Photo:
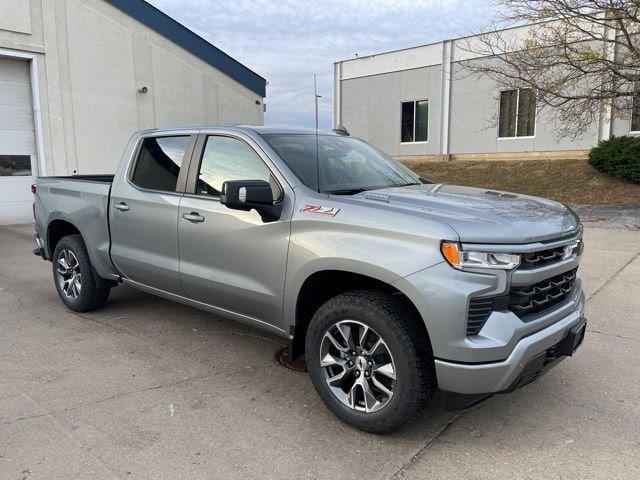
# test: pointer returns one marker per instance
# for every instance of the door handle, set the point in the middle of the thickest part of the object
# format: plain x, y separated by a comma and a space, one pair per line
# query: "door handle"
123, 207
193, 217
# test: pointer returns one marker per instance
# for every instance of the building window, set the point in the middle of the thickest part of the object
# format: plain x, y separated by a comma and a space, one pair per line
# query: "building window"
159, 163
15, 165
415, 121
635, 110
517, 113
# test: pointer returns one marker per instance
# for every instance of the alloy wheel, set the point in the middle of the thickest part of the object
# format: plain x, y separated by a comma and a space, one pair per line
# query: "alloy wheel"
69, 276
358, 366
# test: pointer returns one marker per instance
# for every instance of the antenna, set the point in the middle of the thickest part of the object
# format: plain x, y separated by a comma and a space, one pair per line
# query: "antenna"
316, 97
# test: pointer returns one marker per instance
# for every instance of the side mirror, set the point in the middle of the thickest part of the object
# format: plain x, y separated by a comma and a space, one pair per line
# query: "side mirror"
248, 195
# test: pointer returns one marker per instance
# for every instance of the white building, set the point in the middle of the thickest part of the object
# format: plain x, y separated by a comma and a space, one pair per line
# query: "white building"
77, 77
422, 102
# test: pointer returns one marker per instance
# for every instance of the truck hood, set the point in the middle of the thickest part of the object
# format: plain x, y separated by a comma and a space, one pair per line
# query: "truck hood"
480, 215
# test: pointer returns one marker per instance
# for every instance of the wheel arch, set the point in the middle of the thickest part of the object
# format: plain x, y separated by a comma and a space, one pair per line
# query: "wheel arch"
59, 228
321, 285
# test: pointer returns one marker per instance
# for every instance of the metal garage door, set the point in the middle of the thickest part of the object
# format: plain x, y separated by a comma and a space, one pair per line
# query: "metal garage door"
17, 142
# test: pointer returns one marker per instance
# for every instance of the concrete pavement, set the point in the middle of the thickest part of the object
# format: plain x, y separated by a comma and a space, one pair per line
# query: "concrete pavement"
145, 388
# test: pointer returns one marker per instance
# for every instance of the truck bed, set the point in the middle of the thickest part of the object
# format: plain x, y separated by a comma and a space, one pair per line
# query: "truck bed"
82, 201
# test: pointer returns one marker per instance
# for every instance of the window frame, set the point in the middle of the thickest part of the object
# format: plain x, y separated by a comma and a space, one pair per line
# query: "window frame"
184, 167
535, 116
198, 155
415, 101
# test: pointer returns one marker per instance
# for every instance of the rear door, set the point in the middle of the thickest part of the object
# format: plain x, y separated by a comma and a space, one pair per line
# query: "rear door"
232, 259
143, 212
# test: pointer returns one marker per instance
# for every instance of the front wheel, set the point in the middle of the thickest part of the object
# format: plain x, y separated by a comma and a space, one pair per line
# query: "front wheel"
369, 361
74, 278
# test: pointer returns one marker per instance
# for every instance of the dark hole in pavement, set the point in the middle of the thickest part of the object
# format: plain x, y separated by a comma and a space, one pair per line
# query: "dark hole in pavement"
282, 357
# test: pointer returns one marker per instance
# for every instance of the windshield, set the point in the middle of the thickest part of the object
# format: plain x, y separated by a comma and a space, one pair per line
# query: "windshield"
345, 165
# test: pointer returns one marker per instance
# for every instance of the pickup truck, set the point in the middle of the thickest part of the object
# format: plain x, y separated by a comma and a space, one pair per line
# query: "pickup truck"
389, 285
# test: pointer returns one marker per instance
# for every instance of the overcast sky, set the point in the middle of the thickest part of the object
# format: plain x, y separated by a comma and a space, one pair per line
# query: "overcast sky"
288, 41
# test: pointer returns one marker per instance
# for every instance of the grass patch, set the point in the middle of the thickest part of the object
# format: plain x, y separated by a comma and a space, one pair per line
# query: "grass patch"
572, 181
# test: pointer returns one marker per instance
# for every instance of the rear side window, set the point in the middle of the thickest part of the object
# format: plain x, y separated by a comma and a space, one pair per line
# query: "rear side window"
159, 163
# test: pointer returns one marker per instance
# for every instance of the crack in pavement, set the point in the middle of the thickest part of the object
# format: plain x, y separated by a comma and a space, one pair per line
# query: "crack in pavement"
599, 332
414, 458
105, 399
612, 277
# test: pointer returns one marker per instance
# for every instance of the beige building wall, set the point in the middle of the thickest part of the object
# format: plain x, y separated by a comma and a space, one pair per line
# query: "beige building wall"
90, 62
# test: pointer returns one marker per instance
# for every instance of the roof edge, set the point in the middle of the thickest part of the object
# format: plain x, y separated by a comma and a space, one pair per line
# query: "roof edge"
163, 24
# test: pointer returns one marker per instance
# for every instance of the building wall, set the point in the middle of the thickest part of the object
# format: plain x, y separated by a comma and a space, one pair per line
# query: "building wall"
463, 107
473, 126
91, 61
371, 108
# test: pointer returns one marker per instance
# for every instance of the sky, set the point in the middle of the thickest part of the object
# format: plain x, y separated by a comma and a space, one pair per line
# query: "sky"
288, 41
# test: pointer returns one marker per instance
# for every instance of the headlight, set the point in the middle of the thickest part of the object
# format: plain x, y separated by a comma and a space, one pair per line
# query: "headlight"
463, 259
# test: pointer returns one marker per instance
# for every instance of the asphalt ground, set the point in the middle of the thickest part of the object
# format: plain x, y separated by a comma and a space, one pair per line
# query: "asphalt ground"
145, 388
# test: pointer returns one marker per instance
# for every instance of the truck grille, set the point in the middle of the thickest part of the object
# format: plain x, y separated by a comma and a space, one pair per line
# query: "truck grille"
524, 301
541, 258
541, 296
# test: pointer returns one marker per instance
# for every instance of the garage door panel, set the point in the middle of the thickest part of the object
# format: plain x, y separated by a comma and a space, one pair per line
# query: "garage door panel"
15, 70
16, 118
17, 143
14, 93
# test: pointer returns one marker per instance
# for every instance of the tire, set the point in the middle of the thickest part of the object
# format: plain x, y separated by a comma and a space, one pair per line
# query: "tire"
404, 343
71, 261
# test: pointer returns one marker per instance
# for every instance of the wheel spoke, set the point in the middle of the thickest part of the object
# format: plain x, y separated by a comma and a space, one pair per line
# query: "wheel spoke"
331, 381
335, 342
330, 360
380, 386
370, 400
375, 347
387, 370
363, 336
346, 335
62, 264
352, 395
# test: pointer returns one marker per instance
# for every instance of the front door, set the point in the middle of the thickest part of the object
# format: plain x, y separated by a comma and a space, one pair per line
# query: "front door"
143, 214
232, 259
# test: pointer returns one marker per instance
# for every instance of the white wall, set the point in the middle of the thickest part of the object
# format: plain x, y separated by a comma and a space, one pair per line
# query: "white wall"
92, 59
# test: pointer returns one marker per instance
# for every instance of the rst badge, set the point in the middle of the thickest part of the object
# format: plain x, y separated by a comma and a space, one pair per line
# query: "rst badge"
319, 209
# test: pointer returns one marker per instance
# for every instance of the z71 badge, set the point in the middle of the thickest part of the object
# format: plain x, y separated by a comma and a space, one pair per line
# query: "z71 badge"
319, 209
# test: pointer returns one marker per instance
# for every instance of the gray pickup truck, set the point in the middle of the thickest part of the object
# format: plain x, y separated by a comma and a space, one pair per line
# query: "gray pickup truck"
390, 285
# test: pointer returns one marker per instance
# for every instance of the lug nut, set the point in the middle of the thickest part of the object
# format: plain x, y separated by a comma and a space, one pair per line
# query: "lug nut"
350, 363
354, 353
357, 373
366, 373
370, 363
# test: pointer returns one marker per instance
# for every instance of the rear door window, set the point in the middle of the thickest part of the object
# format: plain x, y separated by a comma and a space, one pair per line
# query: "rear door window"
159, 162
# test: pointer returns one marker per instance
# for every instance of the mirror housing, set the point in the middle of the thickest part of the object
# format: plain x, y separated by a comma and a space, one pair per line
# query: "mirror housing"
249, 195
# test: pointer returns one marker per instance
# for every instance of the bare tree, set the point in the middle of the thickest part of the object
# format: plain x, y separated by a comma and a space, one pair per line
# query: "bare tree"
581, 57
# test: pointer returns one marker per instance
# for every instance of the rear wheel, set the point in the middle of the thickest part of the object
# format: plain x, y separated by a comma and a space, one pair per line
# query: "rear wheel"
369, 361
74, 277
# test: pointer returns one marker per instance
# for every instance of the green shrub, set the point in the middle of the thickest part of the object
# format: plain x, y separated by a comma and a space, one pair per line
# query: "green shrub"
619, 156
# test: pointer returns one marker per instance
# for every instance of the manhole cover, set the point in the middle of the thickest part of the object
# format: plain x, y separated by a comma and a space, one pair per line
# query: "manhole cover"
282, 357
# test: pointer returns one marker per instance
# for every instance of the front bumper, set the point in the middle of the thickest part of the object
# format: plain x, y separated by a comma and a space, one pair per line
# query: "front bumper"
466, 385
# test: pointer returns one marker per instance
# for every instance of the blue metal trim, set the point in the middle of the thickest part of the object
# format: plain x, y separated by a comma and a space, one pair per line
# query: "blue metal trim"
166, 26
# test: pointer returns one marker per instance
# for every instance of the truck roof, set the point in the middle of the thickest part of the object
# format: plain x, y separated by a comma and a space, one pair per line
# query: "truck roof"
259, 129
